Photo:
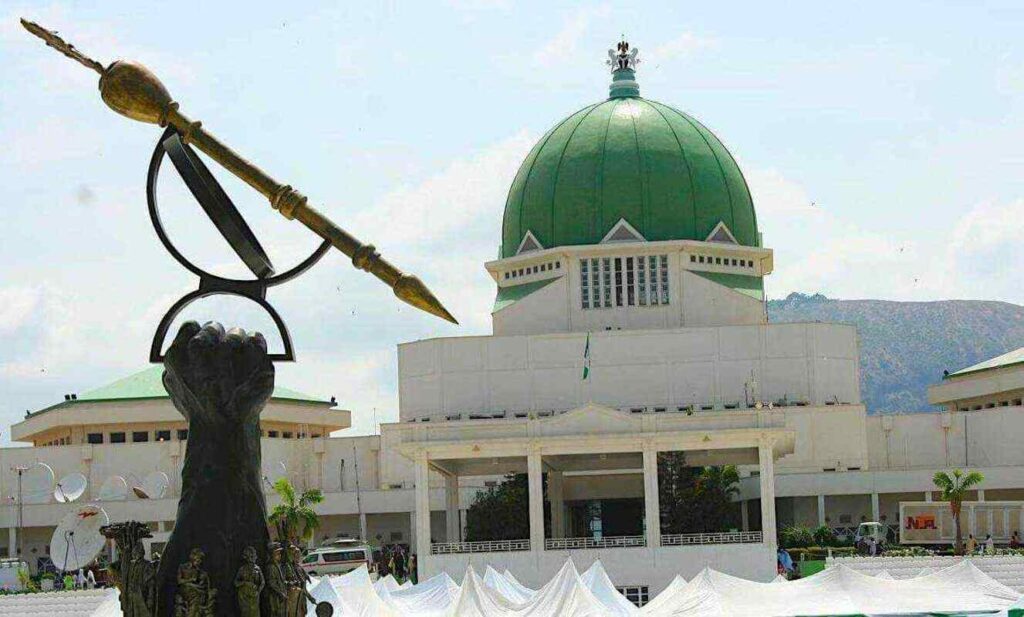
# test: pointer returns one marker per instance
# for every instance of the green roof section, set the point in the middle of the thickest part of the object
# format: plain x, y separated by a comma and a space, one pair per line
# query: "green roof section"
148, 384
752, 286
1009, 358
627, 158
508, 296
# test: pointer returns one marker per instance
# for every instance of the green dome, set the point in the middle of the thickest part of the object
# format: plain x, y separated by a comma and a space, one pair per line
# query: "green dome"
627, 158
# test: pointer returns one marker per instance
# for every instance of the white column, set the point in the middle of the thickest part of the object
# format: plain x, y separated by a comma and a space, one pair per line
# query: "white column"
422, 510
821, 510
981, 494
766, 459
928, 496
364, 534
451, 507
876, 509
536, 484
652, 508
557, 499
745, 515
412, 529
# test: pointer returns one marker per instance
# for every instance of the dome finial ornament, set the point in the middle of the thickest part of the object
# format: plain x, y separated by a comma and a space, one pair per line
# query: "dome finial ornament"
621, 58
623, 61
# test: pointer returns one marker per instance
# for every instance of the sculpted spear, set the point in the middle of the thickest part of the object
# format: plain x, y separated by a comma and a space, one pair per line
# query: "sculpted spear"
132, 90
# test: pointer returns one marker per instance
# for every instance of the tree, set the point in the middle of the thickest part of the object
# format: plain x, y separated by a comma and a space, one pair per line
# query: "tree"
696, 499
954, 489
294, 518
501, 512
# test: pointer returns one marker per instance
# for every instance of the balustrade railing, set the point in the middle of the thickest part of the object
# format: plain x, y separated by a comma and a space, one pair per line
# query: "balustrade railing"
495, 546
565, 544
724, 537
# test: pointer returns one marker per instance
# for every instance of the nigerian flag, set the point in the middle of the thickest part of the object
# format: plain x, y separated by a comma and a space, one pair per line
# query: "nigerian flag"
586, 358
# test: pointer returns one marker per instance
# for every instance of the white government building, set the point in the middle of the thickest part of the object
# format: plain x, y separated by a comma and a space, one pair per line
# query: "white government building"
629, 227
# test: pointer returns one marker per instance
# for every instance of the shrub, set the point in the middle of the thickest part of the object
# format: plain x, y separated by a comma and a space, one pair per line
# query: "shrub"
824, 536
795, 536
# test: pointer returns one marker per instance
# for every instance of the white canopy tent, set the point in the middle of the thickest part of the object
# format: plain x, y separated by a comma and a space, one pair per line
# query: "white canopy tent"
836, 591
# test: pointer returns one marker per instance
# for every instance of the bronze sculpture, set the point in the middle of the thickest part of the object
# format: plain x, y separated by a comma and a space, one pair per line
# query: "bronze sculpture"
297, 579
134, 576
249, 584
196, 597
277, 585
132, 90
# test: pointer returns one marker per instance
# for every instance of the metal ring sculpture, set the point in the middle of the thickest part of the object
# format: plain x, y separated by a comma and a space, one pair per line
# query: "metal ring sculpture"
229, 222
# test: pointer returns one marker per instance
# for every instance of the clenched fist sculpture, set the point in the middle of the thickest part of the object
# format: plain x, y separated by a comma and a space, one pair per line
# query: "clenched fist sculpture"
220, 381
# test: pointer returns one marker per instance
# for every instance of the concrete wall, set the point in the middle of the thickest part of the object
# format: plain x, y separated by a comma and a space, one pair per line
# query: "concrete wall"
716, 366
655, 567
985, 438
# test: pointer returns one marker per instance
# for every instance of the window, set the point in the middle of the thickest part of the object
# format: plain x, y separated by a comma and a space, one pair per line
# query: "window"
718, 261
94, 438
117, 438
286, 435
618, 281
558, 265
641, 274
340, 556
663, 274
734, 262
606, 281
271, 433
630, 292
585, 283
163, 435
693, 258
506, 276
140, 436
624, 281
637, 594
311, 558
182, 434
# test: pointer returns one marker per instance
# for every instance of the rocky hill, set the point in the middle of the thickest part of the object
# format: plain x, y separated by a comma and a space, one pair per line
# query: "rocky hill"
905, 346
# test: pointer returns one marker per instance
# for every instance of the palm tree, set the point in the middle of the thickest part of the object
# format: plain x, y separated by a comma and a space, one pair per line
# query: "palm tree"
954, 489
294, 518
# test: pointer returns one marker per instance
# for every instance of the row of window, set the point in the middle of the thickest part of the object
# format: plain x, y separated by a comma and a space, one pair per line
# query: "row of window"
624, 281
137, 436
1015, 402
165, 435
721, 261
528, 270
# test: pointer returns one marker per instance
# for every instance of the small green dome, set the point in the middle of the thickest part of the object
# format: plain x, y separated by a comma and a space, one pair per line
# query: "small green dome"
627, 158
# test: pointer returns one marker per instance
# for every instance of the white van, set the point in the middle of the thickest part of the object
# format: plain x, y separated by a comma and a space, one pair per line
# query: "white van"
339, 557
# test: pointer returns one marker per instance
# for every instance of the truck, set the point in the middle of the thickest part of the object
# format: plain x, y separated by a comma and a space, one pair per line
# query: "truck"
931, 522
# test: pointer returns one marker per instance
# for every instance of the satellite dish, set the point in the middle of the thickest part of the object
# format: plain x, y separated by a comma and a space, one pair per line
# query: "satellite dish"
37, 484
114, 489
70, 487
154, 486
276, 471
77, 540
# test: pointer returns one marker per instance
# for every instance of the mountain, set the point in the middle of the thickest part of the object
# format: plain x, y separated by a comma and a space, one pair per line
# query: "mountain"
905, 346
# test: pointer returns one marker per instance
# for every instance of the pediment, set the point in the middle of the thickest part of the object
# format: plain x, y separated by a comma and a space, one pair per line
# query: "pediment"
721, 234
590, 419
623, 232
529, 243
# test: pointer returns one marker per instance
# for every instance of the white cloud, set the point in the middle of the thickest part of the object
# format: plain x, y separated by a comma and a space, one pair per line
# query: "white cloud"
16, 305
564, 45
684, 45
818, 250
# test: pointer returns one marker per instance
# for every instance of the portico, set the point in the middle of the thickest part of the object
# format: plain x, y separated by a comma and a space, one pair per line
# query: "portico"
593, 444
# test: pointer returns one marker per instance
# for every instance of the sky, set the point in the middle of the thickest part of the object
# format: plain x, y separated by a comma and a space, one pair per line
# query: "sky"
883, 143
